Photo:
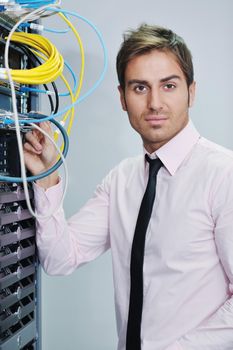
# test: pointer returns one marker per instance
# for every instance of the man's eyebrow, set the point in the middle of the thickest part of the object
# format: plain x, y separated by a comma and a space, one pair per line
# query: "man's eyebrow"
145, 82
170, 77
137, 81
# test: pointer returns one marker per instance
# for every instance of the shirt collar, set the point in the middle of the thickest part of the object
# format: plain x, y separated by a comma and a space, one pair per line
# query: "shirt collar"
175, 150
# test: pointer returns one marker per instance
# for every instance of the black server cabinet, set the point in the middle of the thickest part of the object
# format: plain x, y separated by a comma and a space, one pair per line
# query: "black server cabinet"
19, 268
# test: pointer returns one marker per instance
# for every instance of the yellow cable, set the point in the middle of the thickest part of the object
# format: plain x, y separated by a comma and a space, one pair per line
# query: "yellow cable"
52, 67
81, 53
45, 73
70, 110
81, 75
71, 95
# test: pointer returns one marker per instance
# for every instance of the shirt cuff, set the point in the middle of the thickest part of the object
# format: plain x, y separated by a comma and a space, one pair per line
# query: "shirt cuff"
49, 199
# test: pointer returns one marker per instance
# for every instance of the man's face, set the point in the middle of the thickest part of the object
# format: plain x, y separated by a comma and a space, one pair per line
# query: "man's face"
156, 97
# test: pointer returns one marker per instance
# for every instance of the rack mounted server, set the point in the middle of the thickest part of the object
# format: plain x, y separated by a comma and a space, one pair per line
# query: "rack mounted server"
19, 269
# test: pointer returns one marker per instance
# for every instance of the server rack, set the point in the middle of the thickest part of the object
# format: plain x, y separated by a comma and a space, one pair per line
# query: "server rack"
19, 267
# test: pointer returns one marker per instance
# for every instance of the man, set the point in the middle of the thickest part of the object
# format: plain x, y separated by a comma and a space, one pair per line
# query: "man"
187, 258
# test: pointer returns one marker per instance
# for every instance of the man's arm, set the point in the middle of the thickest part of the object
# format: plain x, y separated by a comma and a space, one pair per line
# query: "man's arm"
216, 333
64, 245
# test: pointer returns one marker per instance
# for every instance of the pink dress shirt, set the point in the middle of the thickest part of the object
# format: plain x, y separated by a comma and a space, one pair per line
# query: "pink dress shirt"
188, 264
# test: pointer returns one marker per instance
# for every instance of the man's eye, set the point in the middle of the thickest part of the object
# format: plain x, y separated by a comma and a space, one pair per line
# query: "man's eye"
169, 86
140, 88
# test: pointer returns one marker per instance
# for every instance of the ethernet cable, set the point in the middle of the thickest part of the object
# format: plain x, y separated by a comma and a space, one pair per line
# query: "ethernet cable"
81, 75
71, 110
57, 31
97, 83
81, 52
38, 91
68, 66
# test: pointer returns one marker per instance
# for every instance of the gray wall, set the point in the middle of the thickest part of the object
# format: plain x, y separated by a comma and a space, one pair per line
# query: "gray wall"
78, 310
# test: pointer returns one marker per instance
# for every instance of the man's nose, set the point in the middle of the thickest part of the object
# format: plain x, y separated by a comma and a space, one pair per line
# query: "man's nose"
154, 101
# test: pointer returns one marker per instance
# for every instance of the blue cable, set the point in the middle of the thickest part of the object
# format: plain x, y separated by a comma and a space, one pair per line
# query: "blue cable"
57, 31
99, 81
53, 168
50, 30
39, 91
38, 3
74, 78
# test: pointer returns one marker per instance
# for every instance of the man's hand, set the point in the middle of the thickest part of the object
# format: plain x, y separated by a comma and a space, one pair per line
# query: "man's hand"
40, 154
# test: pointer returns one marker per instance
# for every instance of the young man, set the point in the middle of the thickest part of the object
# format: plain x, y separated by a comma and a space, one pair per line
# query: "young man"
185, 290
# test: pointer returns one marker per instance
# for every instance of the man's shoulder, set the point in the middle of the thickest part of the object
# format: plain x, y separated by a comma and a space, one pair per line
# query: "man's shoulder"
215, 149
215, 156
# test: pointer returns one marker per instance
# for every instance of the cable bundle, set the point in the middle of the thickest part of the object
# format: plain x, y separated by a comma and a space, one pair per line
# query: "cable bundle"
50, 67
46, 72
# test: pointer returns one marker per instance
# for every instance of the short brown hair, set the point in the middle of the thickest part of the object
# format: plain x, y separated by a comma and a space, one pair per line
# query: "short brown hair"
147, 38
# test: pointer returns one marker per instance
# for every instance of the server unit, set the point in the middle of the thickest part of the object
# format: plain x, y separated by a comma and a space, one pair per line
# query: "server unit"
19, 268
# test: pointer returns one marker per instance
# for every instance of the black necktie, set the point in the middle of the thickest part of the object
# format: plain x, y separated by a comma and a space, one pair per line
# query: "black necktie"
133, 337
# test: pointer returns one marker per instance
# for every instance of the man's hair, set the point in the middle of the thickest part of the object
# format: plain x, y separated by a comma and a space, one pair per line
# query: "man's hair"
147, 38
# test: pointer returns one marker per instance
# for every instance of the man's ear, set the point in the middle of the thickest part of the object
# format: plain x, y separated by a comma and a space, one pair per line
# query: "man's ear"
122, 98
192, 90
